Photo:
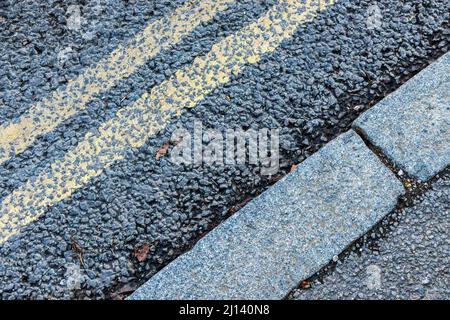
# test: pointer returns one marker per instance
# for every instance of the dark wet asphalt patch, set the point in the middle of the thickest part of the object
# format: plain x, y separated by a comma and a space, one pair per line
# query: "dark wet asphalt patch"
311, 88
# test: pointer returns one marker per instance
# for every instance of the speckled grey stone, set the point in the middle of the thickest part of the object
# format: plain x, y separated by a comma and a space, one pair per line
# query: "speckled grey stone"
409, 260
412, 125
288, 232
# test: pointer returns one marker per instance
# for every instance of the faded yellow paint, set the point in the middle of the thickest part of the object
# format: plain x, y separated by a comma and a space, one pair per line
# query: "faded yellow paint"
46, 115
133, 125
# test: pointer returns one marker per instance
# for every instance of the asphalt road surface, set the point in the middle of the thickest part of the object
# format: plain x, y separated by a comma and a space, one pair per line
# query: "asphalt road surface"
90, 203
410, 261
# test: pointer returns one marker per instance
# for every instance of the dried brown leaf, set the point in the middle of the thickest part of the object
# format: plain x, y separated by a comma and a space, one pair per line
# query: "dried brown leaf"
78, 250
162, 151
141, 252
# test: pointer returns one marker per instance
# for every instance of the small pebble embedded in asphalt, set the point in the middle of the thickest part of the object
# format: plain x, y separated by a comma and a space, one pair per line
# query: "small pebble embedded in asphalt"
141, 213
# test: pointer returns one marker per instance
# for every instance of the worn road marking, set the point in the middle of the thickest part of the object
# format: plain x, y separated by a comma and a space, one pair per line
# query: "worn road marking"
134, 124
46, 115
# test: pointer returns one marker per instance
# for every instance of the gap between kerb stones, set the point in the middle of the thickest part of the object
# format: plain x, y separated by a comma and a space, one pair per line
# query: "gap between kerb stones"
413, 187
405, 201
407, 180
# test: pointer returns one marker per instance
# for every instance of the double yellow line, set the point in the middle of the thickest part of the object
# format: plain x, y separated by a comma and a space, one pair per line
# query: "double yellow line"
133, 125
121, 63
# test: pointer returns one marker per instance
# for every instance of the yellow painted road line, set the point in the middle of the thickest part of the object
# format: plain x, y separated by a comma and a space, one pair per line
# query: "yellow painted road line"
323, 4
135, 124
46, 115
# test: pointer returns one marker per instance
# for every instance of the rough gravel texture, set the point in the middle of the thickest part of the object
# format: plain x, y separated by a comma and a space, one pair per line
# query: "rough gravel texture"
312, 87
411, 261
